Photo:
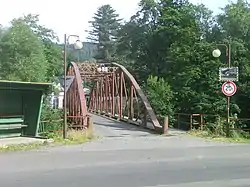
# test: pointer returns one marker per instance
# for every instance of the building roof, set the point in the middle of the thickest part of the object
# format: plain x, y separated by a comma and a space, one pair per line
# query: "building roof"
18, 85
69, 80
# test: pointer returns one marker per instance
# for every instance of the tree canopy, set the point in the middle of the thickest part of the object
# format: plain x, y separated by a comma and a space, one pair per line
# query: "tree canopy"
28, 51
22, 56
105, 26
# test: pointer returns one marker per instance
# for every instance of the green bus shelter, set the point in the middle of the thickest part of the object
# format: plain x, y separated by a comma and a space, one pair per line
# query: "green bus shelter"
20, 107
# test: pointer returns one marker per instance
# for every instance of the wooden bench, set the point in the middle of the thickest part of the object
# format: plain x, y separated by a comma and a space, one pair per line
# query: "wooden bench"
12, 123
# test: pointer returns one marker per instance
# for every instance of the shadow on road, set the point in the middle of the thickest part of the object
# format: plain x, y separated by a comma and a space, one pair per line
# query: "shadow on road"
112, 128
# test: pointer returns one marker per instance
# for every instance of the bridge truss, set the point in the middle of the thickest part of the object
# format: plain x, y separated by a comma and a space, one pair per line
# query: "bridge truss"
113, 92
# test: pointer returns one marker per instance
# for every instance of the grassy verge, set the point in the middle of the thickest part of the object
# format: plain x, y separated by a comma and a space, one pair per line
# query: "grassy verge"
20, 147
74, 137
208, 136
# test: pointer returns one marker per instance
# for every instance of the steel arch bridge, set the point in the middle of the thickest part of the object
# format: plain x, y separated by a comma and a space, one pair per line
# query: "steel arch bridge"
113, 92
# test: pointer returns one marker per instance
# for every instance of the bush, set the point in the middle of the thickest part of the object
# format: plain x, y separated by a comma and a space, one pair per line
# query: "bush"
160, 96
51, 121
218, 130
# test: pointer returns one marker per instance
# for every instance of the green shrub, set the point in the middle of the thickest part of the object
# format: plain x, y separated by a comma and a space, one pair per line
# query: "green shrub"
160, 96
51, 121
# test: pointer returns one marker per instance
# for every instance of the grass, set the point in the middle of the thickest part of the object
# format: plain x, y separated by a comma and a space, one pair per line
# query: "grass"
20, 147
74, 138
204, 134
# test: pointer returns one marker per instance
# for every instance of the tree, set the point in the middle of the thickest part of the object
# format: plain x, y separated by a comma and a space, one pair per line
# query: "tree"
105, 26
159, 88
169, 39
135, 38
1, 31
42, 32
52, 51
22, 54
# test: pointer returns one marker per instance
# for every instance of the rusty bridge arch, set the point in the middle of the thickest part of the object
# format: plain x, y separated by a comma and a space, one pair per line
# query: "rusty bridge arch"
77, 112
114, 93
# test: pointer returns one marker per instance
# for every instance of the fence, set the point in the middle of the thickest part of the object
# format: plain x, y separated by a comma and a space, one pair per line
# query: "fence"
239, 124
50, 126
185, 121
215, 123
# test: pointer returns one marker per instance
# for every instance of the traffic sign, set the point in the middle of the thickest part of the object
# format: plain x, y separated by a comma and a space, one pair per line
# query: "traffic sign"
229, 88
229, 74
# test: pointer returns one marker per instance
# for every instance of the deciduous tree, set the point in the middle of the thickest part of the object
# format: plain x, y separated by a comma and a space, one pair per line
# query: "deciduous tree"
22, 54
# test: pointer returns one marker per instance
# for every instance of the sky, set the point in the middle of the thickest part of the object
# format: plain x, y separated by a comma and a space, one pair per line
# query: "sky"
72, 16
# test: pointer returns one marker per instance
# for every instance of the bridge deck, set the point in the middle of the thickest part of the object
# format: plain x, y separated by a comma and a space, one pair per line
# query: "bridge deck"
111, 128
105, 127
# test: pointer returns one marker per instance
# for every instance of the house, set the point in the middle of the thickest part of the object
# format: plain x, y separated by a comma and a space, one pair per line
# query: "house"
56, 97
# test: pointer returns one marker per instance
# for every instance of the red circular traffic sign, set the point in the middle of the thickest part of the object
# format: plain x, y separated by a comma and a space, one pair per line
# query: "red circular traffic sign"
229, 88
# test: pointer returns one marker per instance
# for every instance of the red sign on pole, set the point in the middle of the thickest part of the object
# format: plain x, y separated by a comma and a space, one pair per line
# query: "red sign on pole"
229, 88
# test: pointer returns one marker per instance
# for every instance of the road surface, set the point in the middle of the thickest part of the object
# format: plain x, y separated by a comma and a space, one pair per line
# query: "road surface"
123, 158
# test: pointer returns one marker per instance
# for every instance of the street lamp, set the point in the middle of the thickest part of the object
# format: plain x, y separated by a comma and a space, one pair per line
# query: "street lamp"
217, 53
77, 45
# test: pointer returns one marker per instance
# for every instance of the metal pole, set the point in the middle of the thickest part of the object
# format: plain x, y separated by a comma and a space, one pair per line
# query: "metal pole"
229, 55
228, 98
228, 115
78, 56
65, 99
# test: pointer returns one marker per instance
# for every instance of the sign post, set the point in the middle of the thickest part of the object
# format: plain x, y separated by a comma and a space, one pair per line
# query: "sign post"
228, 88
227, 75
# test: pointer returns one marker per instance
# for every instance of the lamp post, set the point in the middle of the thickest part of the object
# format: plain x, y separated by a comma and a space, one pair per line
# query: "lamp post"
217, 53
77, 45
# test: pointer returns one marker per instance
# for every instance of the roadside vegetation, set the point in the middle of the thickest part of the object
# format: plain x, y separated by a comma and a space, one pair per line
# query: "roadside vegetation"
218, 134
74, 138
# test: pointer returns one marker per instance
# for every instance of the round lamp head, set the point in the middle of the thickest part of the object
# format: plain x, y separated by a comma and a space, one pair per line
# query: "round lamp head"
216, 53
78, 45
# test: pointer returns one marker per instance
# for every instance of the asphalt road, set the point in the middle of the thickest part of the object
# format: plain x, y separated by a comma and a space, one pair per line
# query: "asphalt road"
139, 160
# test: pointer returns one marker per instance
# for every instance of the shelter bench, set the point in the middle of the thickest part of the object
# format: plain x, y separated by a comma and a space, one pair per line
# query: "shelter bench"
12, 123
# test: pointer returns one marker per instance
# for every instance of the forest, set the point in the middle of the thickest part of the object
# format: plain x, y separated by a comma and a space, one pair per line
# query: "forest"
167, 45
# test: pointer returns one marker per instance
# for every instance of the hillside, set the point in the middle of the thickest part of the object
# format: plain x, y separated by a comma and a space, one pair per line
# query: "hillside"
87, 52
